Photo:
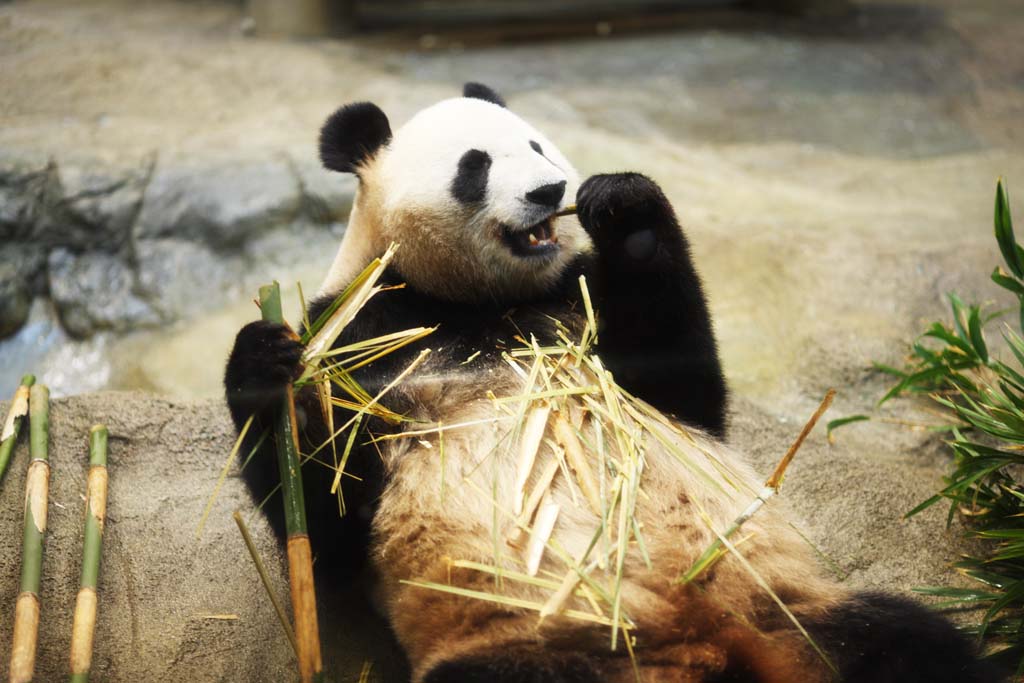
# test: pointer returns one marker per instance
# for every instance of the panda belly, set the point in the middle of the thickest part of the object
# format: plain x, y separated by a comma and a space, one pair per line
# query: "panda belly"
449, 504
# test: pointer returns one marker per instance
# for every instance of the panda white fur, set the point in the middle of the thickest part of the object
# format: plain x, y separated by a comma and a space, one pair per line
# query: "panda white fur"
469, 190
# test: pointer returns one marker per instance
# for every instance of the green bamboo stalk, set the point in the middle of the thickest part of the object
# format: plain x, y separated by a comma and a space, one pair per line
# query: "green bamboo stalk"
95, 513
37, 482
300, 556
12, 425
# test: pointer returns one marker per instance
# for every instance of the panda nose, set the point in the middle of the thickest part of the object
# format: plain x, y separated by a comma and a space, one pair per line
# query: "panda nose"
547, 195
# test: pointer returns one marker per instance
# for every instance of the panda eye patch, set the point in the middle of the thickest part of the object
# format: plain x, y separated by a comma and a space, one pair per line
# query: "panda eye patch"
536, 147
470, 183
474, 160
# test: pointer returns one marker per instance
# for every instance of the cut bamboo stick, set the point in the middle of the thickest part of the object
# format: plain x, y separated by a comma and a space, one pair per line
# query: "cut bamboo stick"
515, 534
95, 513
12, 425
26, 615
543, 527
529, 444
718, 548
566, 437
265, 579
300, 556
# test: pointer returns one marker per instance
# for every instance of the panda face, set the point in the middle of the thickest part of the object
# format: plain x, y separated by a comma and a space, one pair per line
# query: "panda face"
470, 190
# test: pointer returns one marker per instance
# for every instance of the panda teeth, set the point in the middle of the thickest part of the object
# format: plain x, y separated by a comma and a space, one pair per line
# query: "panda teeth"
533, 240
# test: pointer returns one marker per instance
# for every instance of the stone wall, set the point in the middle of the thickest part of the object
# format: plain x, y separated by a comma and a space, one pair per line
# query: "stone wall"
126, 246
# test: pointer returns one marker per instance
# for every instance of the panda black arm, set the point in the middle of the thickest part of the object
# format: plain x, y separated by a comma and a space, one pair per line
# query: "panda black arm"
655, 331
264, 360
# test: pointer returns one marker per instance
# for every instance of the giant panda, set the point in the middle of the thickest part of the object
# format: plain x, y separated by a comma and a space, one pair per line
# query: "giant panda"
471, 192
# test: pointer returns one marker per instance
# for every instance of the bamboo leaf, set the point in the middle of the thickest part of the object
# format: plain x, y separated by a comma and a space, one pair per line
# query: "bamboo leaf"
832, 425
1004, 232
1006, 281
977, 338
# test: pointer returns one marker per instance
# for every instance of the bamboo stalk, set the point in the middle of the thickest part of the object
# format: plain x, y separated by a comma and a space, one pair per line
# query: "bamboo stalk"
84, 626
567, 211
26, 615
265, 579
300, 555
12, 425
771, 487
566, 437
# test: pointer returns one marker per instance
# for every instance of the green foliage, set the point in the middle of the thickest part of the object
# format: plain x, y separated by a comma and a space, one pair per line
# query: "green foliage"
956, 367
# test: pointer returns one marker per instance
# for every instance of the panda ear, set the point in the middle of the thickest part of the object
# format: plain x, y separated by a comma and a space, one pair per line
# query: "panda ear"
352, 135
479, 91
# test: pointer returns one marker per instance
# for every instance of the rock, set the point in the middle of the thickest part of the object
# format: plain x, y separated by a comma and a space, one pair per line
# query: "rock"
21, 277
172, 607
22, 188
182, 277
96, 291
219, 205
326, 195
91, 207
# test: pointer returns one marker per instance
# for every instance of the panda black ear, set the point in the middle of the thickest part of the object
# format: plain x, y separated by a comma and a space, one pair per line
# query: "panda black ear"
352, 135
479, 91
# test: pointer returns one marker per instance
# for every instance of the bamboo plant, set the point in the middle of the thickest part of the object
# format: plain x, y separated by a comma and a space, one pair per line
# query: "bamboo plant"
975, 383
95, 513
26, 616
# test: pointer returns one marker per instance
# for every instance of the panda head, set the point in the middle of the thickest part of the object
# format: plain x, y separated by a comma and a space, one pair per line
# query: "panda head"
467, 188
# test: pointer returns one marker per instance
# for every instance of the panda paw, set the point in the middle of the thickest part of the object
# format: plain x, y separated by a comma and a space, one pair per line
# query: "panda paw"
265, 359
624, 213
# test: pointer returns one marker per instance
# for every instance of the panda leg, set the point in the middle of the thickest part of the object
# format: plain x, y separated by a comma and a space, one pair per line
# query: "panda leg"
514, 666
656, 334
879, 638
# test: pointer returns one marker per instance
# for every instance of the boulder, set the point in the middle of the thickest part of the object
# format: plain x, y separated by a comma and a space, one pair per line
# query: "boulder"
91, 206
96, 291
221, 205
22, 267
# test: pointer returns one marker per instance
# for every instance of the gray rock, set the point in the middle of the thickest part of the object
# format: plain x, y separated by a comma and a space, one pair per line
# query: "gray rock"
21, 270
96, 291
326, 195
221, 205
22, 189
182, 277
91, 207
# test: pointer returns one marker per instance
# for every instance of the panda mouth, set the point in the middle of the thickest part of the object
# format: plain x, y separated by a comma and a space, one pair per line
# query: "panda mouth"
537, 240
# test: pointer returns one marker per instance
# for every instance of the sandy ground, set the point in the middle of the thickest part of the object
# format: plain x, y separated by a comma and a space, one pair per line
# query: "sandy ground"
835, 183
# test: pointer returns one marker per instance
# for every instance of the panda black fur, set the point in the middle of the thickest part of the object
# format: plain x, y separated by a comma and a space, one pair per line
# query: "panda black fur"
461, 186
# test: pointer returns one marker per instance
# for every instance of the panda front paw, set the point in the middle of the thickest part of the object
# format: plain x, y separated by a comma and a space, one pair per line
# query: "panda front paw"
624, 213
266, 358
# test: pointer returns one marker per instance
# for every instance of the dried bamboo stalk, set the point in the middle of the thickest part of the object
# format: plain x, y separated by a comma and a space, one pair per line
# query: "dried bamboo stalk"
265, 579
771, 487
26, 616
566, 437
543, 527
515, 535
95, 513
12, 425
529, 444
300, 556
